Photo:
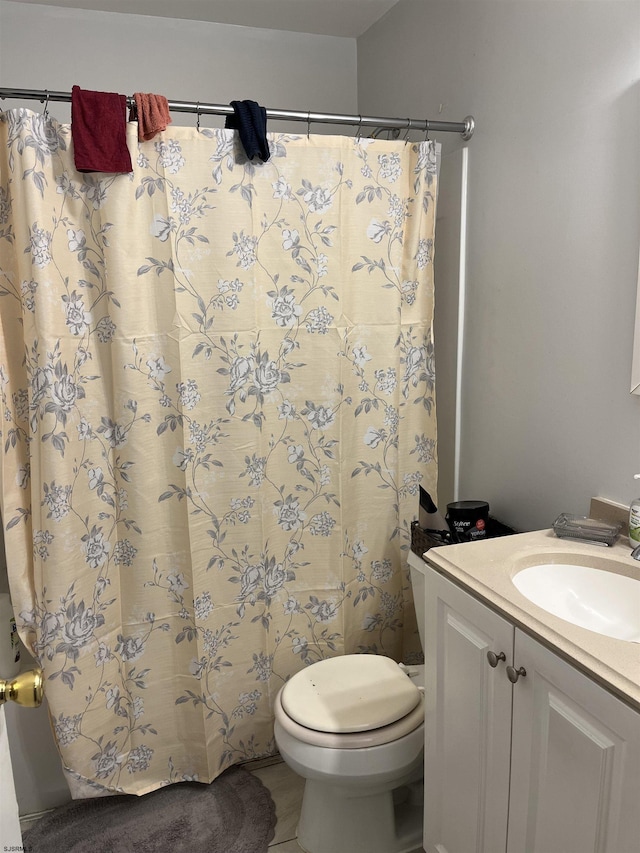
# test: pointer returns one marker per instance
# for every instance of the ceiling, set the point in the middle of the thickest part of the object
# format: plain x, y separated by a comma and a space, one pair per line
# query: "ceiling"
348, 18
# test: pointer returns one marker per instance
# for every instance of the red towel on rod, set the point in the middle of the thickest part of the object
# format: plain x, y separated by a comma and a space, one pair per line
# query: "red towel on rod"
99, 131
153, 115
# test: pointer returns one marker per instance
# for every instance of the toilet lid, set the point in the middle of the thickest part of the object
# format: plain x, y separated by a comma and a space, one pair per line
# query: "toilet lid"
352, 693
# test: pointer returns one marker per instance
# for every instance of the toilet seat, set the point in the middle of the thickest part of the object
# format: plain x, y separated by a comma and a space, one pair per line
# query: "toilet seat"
350, 702
350, 693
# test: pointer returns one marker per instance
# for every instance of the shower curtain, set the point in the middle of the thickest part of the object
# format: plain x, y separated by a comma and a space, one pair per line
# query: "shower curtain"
217, 405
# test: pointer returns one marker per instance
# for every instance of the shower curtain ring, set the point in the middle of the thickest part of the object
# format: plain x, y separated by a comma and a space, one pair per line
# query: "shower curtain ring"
45, 112
406, 135
359, 131
308, 123
198, 116
426, 129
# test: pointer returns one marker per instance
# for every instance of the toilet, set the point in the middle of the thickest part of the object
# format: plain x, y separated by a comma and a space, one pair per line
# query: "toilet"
353, 728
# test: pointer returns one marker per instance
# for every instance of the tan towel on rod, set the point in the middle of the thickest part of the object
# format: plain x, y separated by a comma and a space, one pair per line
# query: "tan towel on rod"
153, 115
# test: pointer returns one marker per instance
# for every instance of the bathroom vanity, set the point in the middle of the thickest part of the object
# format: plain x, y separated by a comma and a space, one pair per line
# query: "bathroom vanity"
532, 723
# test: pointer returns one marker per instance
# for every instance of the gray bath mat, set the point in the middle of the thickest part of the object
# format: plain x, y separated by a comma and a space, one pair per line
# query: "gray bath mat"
234, 814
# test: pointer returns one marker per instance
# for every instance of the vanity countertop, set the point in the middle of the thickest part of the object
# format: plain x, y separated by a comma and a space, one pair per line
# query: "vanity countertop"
485, 569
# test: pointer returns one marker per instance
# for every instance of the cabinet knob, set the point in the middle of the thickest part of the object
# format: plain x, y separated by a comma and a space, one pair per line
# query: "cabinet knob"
514, 674
494, 659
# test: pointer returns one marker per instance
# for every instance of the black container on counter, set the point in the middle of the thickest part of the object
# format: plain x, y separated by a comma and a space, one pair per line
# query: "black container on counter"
468, 520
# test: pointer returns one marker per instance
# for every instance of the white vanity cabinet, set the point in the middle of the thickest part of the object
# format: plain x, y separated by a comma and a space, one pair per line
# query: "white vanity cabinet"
548, 764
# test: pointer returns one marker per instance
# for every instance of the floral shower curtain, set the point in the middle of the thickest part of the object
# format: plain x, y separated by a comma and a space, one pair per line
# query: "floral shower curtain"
217, 400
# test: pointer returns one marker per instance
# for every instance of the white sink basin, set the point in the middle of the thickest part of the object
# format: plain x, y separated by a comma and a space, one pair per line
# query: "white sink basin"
601, 601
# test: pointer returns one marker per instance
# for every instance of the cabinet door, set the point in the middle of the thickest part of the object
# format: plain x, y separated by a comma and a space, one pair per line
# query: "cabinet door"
575, 774
467, 723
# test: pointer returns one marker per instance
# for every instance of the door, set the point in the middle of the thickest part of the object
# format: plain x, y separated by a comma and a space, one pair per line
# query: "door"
575, 777
38, 776
467, 722
10, 836
39, 779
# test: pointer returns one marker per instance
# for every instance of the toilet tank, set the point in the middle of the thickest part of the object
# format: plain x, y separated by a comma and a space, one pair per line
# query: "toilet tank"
417, 568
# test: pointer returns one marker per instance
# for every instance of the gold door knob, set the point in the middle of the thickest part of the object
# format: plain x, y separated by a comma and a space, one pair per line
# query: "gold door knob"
25, 689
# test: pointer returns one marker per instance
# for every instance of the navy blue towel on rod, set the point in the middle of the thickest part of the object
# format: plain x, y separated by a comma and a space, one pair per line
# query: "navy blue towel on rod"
250, 120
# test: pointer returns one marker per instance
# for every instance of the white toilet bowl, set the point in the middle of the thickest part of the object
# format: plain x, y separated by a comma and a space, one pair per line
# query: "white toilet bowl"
353, 728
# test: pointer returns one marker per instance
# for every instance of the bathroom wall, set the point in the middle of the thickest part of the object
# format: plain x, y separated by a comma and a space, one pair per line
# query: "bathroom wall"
554, 219
53, 48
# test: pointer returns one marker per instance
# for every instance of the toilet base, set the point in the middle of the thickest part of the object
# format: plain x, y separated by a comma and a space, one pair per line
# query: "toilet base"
334, 819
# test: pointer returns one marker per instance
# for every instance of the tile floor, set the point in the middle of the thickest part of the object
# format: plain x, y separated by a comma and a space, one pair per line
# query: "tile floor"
286, 789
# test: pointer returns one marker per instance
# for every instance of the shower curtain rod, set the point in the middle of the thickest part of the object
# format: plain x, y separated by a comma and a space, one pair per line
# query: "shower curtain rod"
465, 128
